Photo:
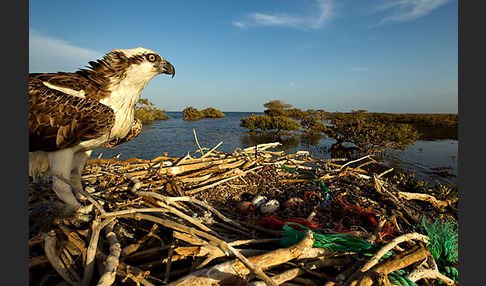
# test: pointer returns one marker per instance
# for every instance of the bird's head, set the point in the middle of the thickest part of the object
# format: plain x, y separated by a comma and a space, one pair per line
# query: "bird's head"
137, 66
145, 61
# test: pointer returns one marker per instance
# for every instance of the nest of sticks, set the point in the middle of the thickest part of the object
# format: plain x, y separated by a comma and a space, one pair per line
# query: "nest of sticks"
195, 220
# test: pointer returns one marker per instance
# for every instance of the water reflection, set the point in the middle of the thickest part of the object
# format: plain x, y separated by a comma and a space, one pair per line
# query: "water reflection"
436, 133
252, 139
311, 139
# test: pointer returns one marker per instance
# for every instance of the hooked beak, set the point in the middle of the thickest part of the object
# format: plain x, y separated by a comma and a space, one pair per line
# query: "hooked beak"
167, 68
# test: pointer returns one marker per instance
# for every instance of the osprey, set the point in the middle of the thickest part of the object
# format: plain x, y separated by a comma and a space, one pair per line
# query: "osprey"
70, 114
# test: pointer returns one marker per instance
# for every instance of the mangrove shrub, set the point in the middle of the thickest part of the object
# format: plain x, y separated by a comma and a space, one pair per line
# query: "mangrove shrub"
267, 123
146, 111
373, 135
192, 113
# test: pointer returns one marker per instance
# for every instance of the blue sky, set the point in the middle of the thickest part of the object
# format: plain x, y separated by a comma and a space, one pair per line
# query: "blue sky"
337, 55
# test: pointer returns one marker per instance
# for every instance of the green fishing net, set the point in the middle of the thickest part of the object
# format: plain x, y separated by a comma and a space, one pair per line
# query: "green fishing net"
443, 245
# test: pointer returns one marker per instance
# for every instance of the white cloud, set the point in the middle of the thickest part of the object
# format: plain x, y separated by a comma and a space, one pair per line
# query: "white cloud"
48, 54
359, 69
275, 20
324, 8
408, 10
292, 84
239, 24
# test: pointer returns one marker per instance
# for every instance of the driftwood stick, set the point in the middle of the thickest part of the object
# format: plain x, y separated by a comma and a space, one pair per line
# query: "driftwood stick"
427, 198
403, 260
384, 173
193, 166
389, 246
211, 256
132, 211
197, 142
359, 168
143, 254
397, 204
254, 268
68, 261
52, 255
253, 241
190, 219
197, 190
131, 248
123, 270
189, 238
205, 249
96, 228
395, 264
209, 251
261, 147
113, 259
354, 161
199, 163
164, 208
194, 201
195, 180
169, 264
91, 252
219, 242
38, 260
75, 240
187, 157
179, 227
282, 277
210, 151
234, 268
419, 274
432, 273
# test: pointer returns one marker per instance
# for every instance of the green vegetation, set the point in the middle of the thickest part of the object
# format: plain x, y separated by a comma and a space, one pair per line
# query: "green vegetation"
274, 119
371, 135
147, 112
212, 113
426, 120
191, 113
268, 123
313, 125
277, 105
369, 132
296, 114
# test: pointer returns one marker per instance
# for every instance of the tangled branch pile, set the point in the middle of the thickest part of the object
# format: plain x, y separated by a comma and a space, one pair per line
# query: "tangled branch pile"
254, 216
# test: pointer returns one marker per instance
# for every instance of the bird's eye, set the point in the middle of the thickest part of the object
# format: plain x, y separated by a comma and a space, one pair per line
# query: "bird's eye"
151, 57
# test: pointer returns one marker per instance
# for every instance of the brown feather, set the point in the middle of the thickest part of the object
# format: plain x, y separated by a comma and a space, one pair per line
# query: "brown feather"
58, 120
135, 130
94, 80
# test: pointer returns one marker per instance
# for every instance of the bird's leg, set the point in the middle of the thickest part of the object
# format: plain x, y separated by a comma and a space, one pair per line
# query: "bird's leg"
79, 161
60, 165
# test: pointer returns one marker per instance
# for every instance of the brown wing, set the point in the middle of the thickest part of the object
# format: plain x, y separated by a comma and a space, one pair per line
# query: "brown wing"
58, 120
94, 87
134, 131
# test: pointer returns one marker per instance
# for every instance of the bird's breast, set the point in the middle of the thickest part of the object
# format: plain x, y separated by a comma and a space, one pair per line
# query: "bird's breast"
123, 106
123, 123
